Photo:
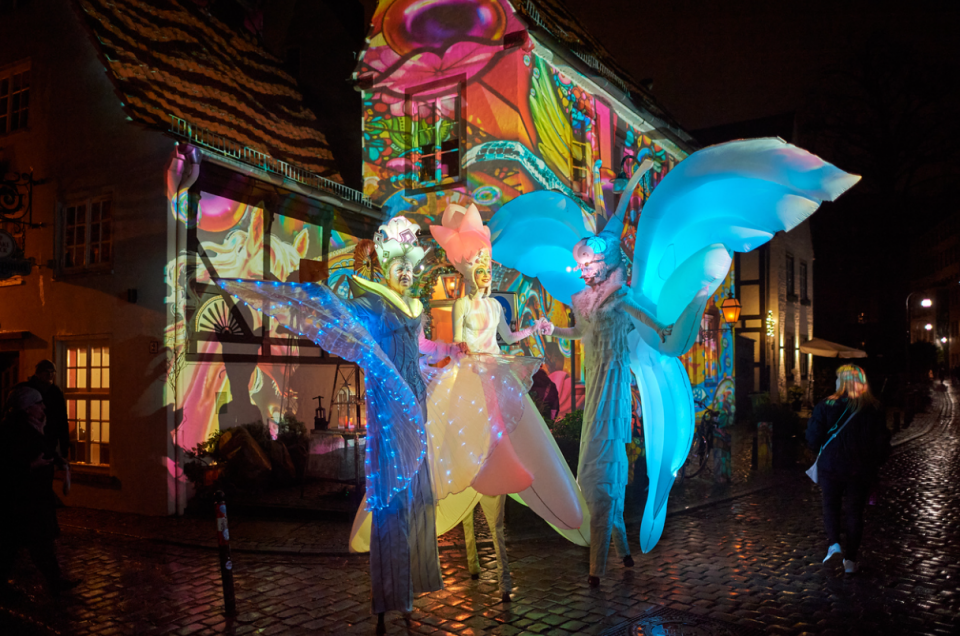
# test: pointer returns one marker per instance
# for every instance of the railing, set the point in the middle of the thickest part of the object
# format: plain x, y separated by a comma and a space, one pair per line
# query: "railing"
211, 141
603, 69
590, 60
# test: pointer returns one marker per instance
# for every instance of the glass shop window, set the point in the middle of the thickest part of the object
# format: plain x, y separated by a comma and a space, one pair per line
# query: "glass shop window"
87, 390
14, 99
436, 136
87, 236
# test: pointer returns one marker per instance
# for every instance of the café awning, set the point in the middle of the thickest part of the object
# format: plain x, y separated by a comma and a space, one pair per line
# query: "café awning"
827, 349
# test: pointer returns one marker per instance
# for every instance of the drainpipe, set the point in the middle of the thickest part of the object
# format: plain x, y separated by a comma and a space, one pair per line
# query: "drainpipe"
184, 169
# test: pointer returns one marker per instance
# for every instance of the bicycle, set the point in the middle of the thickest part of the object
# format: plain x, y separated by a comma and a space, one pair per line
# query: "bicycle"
702, 445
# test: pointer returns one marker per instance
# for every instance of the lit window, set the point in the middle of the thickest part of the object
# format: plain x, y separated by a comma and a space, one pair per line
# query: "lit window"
14, 99
87, 236
436, 135
87, 390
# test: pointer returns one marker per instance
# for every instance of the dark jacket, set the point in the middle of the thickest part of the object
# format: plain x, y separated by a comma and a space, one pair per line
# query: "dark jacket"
544, 394
26, 494
57, 430
860, 448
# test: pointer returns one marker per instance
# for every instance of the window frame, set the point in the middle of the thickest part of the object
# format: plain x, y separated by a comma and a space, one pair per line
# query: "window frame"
87, 395
437, 91
62, 222
790, 275
8, 73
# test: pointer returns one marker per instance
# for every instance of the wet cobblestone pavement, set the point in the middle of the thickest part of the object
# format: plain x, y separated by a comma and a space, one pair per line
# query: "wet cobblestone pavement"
753, 561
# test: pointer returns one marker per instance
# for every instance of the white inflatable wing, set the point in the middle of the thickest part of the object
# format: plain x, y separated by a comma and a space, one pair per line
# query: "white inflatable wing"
737, 194
728, 198
535, 234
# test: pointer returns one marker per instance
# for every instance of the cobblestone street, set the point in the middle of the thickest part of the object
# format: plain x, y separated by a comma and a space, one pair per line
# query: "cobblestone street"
754, 561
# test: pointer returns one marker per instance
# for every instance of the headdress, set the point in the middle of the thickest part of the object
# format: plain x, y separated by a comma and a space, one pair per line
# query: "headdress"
464, 238
462, 234
396, 239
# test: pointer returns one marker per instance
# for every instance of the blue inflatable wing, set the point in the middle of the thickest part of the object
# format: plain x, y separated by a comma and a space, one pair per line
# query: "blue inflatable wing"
728, 198
535, 234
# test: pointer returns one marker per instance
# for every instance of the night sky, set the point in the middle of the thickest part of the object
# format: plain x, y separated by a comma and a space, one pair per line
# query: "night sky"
721, 62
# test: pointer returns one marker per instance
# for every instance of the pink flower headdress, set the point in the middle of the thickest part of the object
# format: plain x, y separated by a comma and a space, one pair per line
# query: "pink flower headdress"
464, 238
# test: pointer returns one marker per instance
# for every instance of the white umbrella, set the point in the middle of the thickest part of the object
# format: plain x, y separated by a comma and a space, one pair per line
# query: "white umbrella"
827, 349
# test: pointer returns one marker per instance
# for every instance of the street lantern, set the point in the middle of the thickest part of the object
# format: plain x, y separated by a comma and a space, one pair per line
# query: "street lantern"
926, 302
943, 340
450, 283
928, 326
731, 309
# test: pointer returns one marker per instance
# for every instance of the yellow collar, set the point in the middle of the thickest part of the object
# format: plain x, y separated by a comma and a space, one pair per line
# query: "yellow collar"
414, 309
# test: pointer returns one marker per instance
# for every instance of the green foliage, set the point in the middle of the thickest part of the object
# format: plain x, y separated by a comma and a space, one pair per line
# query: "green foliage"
795, 392
292, 431
567, 427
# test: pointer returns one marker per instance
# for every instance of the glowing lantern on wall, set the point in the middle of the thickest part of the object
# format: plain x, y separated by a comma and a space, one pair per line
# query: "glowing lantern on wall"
731, 309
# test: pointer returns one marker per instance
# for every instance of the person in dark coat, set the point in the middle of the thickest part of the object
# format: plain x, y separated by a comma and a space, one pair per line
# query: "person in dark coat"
545, 395
57, 430
27, 463
849, 463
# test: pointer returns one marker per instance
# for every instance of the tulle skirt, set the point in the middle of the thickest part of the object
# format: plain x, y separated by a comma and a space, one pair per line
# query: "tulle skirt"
478, 408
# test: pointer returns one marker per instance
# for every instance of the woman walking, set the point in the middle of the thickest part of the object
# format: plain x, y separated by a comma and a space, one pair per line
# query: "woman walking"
849, 431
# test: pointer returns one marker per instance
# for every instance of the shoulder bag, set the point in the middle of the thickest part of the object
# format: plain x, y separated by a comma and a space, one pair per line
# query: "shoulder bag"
812, 471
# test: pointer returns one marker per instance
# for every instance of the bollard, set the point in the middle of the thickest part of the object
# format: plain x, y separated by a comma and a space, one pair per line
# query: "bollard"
226, 563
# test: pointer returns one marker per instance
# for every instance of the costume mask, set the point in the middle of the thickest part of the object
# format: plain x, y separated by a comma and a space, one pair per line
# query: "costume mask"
597, 256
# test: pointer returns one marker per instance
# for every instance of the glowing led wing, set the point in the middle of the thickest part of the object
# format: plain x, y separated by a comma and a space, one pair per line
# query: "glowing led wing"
396, 440
737, 194
535, 234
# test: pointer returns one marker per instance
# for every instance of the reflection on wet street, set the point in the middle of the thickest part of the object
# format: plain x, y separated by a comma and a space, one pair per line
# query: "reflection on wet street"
754, 561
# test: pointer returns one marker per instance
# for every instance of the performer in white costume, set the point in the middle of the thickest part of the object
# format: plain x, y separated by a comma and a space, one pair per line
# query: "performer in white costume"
477, 319
602, 313
720, 200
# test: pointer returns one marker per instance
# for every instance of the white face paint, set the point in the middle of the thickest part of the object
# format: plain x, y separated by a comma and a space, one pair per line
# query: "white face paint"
400, 275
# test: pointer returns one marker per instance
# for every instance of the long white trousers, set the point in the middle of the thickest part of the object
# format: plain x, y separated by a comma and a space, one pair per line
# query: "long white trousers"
493, 508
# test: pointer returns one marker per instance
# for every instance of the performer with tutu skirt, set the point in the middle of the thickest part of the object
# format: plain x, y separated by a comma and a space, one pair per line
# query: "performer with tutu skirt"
486, 437
525, 460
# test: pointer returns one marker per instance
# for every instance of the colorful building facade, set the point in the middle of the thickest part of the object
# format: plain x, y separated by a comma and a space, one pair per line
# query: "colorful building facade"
498, 99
